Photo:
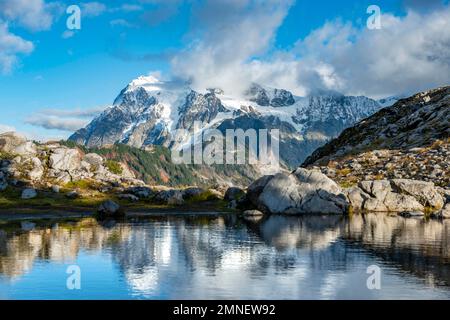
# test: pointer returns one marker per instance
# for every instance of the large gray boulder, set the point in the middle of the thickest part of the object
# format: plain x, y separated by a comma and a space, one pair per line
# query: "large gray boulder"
12, 142
302, 191
64, 159
93, 159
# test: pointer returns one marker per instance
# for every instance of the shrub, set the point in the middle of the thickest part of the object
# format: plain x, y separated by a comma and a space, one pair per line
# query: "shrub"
114, 166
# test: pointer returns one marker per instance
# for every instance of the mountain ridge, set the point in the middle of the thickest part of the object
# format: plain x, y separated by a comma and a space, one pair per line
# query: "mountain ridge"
148, 110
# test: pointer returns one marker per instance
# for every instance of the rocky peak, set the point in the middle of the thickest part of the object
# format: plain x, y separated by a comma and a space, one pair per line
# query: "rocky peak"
413, 122
269, 97
199, 107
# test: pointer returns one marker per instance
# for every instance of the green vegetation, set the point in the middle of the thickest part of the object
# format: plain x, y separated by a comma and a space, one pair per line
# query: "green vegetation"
6, 156
347, 184
204, 196
154, 167
73, 145
114, 166
82, 184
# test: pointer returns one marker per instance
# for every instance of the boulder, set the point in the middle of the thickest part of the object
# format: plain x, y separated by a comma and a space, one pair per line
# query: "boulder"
234, 193
356, 196
93, 159
302, 191
170, 197
64, 159
444, 213
397, 195
127, 196
255, 189
141, 192
38, 169
56, 188
192, 192
63, 177
424, 192
110, 209
72, 195
12, 142
29, 193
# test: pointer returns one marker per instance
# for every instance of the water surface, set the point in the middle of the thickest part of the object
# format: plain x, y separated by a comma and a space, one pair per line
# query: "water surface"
225, 257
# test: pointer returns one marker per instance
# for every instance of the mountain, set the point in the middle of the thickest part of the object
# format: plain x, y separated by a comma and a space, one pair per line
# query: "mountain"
410, 139
148, 111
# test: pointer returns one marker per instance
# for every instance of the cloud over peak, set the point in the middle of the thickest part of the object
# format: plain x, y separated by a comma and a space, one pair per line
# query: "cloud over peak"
408, 54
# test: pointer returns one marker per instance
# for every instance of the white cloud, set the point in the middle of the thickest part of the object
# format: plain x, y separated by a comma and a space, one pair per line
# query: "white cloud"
6, 128
67, 34
56, 123
92, 9
242, 30
11, 46
36, 15
408, 54
64, 120
120, 23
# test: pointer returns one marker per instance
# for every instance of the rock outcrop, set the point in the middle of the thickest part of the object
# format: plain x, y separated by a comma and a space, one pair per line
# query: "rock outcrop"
51, 165
409, 140
398, 195
303, 191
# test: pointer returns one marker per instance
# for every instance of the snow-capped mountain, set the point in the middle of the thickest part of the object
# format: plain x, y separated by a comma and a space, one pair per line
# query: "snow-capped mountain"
148, 111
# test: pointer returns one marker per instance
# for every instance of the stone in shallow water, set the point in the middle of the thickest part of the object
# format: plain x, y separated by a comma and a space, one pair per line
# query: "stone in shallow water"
29, 193
411, 214
110, 208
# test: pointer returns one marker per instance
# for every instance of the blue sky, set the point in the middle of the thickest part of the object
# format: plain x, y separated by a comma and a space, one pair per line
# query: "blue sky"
47, 72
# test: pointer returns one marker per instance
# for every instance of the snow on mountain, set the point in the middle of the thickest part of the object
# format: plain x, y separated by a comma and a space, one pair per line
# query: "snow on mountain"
148, 110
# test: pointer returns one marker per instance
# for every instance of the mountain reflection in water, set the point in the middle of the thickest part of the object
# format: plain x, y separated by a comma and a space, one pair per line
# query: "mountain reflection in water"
313, 257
